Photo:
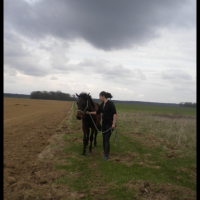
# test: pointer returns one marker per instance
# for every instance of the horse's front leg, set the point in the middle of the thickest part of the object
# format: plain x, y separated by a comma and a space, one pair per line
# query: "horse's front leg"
85, 139
91, 140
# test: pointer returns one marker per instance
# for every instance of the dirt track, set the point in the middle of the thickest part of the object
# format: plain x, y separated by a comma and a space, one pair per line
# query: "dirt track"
28, 125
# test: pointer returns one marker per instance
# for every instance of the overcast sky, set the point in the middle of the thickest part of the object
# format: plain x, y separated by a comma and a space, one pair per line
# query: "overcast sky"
137, 50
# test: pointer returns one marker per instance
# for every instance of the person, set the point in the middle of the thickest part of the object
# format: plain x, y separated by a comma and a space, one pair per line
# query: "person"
107, 108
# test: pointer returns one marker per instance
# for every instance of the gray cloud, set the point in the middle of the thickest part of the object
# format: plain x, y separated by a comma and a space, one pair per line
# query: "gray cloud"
13, 45
173, 75
26, 65
180, 81
104, 69
37, 39
105, 24
21, 55
53, 78
9, 71
140, 74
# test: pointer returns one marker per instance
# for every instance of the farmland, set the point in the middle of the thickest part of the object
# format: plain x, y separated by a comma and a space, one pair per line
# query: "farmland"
156, 157
28, 126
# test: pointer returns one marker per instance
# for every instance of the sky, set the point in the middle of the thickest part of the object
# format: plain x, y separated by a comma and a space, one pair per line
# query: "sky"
136, 50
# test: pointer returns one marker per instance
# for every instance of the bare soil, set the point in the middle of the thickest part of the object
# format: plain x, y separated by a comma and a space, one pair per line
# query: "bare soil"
28, 127
147, 191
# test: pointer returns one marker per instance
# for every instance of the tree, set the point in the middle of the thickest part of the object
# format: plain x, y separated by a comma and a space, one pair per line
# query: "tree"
58, 95
188, 104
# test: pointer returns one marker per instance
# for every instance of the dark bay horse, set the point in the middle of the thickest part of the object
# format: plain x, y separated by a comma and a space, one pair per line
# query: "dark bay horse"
85, 103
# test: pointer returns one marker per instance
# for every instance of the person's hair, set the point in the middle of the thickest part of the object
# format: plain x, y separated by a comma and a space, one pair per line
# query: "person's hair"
106, 94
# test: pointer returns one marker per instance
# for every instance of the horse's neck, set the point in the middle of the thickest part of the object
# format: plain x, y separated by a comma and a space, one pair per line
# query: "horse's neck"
90, 106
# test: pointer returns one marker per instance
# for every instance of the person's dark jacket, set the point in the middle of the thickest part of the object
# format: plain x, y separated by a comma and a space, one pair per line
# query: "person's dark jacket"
108, 111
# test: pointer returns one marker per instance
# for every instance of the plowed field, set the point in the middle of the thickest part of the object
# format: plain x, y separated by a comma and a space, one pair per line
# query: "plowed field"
28, 125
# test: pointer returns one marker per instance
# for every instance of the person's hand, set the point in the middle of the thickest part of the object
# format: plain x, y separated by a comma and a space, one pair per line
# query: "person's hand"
113, 125
87, 112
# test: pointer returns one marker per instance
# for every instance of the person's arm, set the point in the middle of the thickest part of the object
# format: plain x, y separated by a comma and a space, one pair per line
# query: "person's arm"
91, 113
113, 110
95, 112
114, 120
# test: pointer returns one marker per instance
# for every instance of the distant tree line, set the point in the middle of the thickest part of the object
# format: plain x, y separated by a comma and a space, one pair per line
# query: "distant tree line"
11, 95
187, 104
58, 95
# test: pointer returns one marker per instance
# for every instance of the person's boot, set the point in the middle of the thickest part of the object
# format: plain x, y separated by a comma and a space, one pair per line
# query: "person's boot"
106, 158
106, 151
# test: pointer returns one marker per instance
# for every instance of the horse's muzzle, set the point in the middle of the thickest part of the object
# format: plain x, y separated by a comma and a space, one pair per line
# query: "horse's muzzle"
79, 116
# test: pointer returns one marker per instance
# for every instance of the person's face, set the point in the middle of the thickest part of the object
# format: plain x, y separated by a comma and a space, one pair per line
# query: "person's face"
101, 98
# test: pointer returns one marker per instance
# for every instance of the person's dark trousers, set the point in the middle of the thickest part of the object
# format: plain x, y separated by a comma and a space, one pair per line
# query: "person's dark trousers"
106, 138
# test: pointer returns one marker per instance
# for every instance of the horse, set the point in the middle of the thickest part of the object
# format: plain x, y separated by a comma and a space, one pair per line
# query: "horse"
85, 103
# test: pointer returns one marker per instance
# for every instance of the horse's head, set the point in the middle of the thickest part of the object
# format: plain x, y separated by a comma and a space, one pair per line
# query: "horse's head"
82, 105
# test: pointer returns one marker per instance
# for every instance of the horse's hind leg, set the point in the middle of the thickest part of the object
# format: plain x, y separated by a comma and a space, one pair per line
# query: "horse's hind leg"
85, 141
91, 140
95, 138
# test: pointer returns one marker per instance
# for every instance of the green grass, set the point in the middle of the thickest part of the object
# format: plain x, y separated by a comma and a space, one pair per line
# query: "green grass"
139, 135
152, 109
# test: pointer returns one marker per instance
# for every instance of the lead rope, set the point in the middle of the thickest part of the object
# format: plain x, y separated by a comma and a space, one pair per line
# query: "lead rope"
114, 138
116, 133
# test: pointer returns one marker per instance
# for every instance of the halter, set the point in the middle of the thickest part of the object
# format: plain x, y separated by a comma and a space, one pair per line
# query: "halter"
84, 109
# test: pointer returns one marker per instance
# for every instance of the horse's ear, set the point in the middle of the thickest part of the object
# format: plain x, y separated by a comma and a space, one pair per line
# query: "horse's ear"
77, 95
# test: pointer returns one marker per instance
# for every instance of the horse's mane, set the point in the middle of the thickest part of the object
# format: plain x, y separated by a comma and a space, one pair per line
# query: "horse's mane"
85, 96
